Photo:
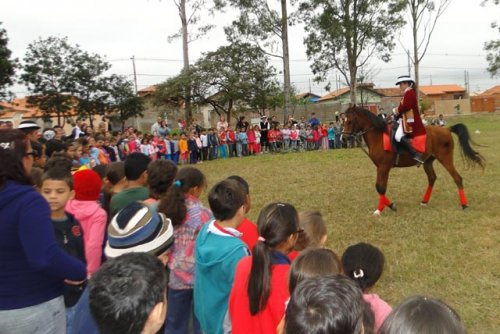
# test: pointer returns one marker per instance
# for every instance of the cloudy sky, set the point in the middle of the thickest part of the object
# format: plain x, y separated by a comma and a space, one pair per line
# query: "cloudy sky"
120, 29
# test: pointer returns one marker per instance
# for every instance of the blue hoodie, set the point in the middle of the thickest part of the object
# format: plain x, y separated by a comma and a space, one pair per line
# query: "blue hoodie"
216, 257
33, 267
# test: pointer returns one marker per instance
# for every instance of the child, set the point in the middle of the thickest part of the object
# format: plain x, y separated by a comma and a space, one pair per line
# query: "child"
257, 301
213, 144
92, 217
244, 142
193, 149
128, 295
314, 232
223, 143
324, 137
174, 144
57, 189
145, 147
188, 215
167, 147
294, 137
183, 149
204, 145
325, 304
423, 315
331, 136
238, 142
251, 141
285, 133
257, 148
247, 228
218, 249
161, 175
364, 264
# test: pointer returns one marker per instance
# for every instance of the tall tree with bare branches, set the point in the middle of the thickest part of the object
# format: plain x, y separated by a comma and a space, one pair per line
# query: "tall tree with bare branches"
190, 31
422, 18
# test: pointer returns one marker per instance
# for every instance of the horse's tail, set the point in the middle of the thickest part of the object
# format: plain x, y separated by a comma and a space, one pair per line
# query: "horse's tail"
471, 156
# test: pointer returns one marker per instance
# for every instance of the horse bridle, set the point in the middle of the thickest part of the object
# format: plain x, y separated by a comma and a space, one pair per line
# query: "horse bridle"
358, 134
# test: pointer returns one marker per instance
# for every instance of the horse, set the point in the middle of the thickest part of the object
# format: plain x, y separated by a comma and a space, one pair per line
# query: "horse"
361, 123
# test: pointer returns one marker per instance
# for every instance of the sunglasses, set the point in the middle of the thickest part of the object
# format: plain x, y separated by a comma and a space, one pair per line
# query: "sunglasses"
33, 154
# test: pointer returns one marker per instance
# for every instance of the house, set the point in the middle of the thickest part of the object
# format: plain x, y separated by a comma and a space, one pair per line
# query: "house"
489, 100
366, 95
19, 110
307, 97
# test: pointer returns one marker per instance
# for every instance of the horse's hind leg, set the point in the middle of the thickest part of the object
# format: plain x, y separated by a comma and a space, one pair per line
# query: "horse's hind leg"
381, 186
448, 164
431, 177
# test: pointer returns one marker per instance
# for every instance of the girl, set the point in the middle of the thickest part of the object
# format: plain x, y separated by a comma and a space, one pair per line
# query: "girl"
294, 137
145, 147
364, 264
188, 215
183, 149
257, 148
324, 137
331, 136
271, 138
260, 289
251, 141
314, 235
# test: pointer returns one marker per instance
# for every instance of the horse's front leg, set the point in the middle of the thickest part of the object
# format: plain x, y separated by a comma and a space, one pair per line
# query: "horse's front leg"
381, 186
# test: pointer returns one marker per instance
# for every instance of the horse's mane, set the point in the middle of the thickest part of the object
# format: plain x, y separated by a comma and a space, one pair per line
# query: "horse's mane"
378, 122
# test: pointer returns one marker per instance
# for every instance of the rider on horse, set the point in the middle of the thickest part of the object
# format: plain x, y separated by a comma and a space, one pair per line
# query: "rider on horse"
408, 117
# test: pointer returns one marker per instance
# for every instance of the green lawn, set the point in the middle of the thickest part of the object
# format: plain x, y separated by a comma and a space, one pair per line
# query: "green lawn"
437, 250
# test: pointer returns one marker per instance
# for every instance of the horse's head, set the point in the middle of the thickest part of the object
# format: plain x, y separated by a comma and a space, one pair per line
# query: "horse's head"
359, 121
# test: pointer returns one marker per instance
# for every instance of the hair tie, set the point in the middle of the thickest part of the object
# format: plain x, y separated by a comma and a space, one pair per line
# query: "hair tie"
178, 183
261, 239
5, 145
358, 273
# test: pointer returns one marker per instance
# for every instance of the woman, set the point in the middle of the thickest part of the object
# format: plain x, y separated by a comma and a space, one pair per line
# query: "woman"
34, 268
222, 123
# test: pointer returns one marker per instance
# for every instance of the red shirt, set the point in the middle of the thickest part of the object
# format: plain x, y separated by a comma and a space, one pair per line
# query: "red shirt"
249, 233
409, 102
267, 319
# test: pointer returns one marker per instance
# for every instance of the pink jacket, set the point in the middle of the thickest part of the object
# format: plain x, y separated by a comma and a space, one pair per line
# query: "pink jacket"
92, 218
379, 307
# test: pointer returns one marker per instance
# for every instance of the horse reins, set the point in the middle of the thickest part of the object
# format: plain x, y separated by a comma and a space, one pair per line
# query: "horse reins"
358, 134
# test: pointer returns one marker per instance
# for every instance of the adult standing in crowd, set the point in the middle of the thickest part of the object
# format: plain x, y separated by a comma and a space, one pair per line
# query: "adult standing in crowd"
314, 121
264, 129
222, 124
33, 267
156, 126
77, 132
242, 123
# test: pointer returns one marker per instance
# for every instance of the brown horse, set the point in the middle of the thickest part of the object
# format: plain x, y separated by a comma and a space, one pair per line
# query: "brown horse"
439, 145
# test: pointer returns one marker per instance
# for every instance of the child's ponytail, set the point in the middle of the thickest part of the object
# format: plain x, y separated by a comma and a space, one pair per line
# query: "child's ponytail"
173, 205
276, 223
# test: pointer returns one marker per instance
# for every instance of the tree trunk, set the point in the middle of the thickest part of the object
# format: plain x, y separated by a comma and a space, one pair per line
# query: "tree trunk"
353, 89
286, 60
185, 54
416, 60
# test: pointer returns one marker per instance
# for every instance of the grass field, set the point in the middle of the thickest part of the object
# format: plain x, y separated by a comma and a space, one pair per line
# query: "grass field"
437, 250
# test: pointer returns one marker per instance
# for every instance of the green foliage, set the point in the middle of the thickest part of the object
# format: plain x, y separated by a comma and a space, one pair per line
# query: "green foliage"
232, 78
61, 77
493, 55
345, 34
49, 69
7, 64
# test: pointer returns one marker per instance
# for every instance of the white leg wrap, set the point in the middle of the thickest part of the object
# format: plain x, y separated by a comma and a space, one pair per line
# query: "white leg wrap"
399, 132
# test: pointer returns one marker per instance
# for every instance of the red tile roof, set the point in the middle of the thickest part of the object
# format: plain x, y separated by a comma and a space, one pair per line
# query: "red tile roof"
495, 90
441, 89
21, 105
334, 94
390, 92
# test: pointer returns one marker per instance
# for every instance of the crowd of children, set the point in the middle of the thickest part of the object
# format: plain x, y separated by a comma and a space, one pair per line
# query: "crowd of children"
225, 273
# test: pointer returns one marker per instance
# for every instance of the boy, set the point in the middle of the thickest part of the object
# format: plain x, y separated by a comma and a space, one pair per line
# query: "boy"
136, 165
248, 230
218, 250
57, 189
174, 144
128, 295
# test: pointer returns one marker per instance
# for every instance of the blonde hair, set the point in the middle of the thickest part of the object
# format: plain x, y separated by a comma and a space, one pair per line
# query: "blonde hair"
314, 230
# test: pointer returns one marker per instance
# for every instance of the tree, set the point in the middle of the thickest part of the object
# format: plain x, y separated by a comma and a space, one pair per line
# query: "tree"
123, 103
189, 14
422, 17
493, 49
90, 85
232, 78
346, 34
49, 69
265, 28
7, 64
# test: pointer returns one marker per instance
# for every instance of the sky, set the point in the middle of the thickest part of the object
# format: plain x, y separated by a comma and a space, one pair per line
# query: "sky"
120, 29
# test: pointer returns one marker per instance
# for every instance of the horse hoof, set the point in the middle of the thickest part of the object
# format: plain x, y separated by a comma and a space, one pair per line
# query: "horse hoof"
393, 206
423, 204
465, 207
376, 213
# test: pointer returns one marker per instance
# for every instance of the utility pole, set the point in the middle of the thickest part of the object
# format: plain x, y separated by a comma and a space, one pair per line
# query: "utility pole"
135, 73
135, 86
431, 79
409, 62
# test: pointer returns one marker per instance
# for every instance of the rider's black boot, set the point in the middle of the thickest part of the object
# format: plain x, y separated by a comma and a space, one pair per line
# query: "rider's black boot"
405, 142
